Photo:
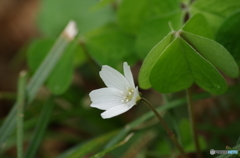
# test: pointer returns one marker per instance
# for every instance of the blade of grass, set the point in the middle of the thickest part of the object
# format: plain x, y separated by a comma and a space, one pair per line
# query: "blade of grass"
147, 116
104, 152
20, 108
40, 128
238, 143
36, 82
46, 67
84, 148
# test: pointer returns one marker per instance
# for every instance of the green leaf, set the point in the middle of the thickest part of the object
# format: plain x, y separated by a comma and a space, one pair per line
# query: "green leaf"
213, 52
180, 65
155, 30
109, 45
103, 3
20, 112
150, 60
198, 25
55, 14
215, 10
40, 129
56, 82
85, 148
133, 13
229, 33
186, 137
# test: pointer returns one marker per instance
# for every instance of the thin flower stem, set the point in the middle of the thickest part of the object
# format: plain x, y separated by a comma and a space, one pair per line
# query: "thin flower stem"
165, 126
192, 121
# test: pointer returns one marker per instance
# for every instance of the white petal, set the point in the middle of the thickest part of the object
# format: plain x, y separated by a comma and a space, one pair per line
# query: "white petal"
115, 111
135, 97
128, 74
105, 98
113, 78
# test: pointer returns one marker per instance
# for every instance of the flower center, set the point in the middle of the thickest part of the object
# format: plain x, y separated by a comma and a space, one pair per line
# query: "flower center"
128, 95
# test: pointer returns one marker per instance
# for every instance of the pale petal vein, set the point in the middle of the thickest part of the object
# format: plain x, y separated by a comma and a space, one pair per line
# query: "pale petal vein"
113, 78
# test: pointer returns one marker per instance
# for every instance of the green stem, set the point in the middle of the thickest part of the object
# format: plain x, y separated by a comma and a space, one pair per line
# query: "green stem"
165, 126
20, 108
192, 121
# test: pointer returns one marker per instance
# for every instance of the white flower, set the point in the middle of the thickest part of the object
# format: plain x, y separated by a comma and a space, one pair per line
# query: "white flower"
120, 94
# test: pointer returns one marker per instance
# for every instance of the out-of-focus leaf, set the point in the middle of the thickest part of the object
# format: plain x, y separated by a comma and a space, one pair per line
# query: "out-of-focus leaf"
54, 14
155, 30
103, 3
56, 82
186, 66
229, 33
163, 147
85, 148
186, 137
133, 13
215, 10
79, 56
109, 45
198, 25
150, 60
213, 52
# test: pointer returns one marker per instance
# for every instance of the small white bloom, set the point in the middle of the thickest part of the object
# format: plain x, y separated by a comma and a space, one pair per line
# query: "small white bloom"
120, 94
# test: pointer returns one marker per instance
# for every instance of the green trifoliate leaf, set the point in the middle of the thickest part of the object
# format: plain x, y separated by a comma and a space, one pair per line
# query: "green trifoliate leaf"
180, 65
229, 35
185, 57
198, 25
155, 30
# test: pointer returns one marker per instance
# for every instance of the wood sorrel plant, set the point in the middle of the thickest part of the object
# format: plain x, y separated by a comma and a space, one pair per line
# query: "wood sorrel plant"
188, 56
